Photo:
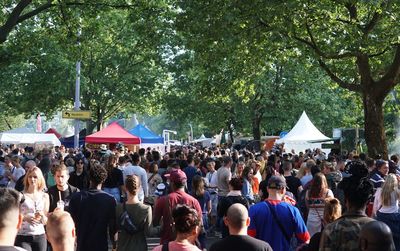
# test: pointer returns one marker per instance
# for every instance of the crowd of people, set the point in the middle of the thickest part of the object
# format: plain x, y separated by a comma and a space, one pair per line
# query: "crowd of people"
68, 199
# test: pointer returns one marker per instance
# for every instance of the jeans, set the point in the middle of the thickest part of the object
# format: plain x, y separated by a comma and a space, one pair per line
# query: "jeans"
393, 221
114, 192
31, 242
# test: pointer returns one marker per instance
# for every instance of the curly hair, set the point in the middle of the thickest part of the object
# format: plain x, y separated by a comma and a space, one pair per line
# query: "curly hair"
132, 184
357, 187
97, 174
185, 219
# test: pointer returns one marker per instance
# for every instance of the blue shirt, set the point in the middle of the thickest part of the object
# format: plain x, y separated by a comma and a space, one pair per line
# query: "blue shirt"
263, 226
190, 172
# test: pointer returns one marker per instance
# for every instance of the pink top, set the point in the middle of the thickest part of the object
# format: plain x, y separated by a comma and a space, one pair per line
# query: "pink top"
176, 246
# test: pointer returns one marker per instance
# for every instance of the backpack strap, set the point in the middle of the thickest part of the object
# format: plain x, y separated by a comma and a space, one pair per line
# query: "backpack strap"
272, 210
165, 247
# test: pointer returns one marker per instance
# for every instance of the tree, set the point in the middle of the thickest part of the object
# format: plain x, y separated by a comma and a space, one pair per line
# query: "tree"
354, 42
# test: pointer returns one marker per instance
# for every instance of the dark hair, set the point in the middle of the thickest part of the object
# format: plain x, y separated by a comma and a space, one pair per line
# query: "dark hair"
9, 201
185, 219
142, 151
97, 174
132, 184
286, 165
357, 187
227, 160
236, 184
135, 158
245, 173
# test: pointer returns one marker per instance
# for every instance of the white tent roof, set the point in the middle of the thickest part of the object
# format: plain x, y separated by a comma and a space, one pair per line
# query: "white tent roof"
301, 133
29, 138
21, 130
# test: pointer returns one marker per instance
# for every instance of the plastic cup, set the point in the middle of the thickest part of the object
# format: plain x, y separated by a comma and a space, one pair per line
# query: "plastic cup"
60, 205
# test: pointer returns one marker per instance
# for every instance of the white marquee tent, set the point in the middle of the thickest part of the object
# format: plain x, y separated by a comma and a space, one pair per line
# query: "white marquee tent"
301, 134
30, 139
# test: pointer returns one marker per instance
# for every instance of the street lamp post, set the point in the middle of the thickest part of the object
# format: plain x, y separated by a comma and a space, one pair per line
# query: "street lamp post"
191, 132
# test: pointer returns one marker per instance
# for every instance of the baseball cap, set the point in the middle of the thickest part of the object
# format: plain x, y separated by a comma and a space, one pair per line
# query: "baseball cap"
276, 182
176, 176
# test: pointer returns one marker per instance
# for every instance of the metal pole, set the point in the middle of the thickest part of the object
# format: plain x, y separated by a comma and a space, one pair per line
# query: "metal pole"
191, 132
77, 102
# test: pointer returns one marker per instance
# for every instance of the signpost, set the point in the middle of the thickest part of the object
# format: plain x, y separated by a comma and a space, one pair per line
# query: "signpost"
76, 114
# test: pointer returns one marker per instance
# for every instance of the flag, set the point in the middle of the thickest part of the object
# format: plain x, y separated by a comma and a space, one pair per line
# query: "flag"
38, 123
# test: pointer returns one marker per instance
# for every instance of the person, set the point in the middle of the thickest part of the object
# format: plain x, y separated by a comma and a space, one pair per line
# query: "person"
187, 224
93, 212
61, 193
191, 171
274, 220
15, 172
164, 204
237, 219
141, 215
34, 209
307, 169
19, 185
386, 206
204, 199
247, 180
224, 176
375, 236
293, 183
60, 231
114, 182
135, 169
10, 219
212, 186
80, 177
343, 233
332, 211
315, 201
234, 196
238, 169
382, 169
153, 179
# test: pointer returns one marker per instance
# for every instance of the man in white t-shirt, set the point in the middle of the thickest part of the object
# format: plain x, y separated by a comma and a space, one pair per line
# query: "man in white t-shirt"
212, 187
135, 169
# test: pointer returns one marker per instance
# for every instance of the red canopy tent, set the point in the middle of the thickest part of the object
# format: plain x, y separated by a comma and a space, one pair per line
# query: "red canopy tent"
113, 133
54, 131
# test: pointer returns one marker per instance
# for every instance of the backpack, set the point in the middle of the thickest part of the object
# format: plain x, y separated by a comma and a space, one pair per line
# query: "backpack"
301, 204
126, 223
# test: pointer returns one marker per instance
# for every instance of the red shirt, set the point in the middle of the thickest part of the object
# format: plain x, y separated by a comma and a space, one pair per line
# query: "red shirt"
161, 210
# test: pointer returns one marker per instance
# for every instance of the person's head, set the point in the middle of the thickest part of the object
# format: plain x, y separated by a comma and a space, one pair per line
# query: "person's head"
153, 168
187, 222
356, 186
132, 184
328, 167
29, 164
97, 175
10, 217
310, 163
34, 179
389, 186
237, 218
79, 165
319, 186
239, 167
61, 175
382, 166
287, 166
70, 162
177, 178
227, 161
276, 186
248, 173
235, 184
60, 230
375, 236
15, 160
135, 158
332, 211
211, 166
198, 186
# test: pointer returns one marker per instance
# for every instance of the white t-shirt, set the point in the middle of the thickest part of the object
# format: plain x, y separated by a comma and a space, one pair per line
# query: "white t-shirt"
141, 173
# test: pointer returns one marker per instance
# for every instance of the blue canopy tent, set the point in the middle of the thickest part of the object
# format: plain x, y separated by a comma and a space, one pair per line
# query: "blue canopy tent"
68, 142
146, 135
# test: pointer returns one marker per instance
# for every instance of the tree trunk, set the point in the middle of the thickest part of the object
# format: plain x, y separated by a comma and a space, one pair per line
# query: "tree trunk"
90, 125
256, 132
373, 123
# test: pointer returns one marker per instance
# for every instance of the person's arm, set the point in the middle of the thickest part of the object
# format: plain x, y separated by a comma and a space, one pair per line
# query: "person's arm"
112, 226
158, 210
145, 184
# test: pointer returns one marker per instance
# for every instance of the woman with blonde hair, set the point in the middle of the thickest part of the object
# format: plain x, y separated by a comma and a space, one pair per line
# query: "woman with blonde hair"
34, 209
302, 171
315, 202
140, 214
386, 206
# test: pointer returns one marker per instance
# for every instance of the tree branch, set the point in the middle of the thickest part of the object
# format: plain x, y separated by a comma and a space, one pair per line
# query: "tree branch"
336, 79
391, 77
12, 20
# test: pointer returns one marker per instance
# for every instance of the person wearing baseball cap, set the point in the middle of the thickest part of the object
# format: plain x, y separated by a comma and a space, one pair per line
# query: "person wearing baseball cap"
166, 204
274, 220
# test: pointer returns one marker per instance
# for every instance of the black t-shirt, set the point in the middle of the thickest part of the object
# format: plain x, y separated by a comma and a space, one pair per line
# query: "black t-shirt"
92, 211
115, 179
79, 181
54, 196
239, 243
293, 183
227, 201
19, 185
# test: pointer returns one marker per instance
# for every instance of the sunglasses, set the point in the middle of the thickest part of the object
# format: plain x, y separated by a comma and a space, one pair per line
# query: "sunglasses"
80, 162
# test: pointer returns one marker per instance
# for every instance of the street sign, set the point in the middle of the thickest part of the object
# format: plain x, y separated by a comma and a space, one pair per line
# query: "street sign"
76, 115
